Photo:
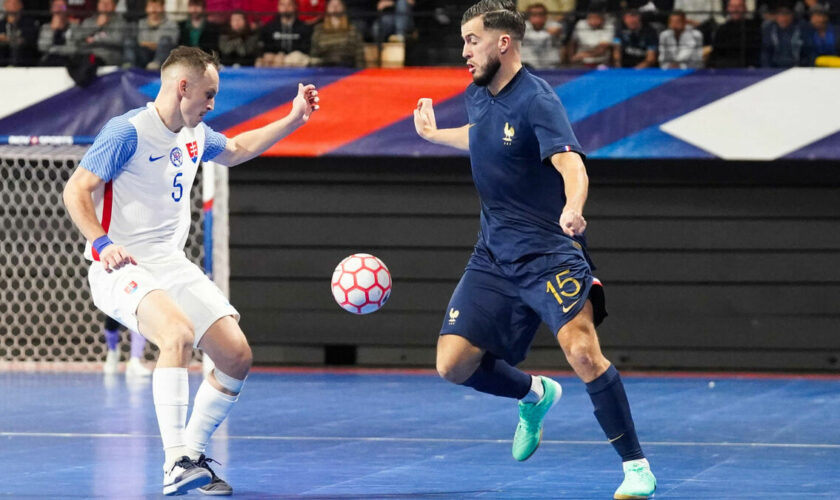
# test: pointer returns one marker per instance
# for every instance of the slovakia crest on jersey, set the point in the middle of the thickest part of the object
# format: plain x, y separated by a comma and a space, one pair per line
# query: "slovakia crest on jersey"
175, 156
192, 150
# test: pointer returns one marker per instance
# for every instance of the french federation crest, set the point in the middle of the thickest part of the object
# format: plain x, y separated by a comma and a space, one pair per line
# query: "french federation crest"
176, 156
509, 132
192, 150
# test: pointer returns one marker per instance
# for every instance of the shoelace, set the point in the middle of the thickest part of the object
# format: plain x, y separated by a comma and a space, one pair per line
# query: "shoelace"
184, 463
204, 462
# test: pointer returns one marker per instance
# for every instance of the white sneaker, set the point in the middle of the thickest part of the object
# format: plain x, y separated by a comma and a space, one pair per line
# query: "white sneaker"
112, 362
135, 368
183, 476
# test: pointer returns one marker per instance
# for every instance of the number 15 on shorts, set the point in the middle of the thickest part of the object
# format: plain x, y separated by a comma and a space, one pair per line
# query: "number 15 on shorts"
567, 288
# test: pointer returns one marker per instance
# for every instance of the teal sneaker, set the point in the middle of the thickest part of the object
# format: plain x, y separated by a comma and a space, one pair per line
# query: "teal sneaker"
638, 481
529, 431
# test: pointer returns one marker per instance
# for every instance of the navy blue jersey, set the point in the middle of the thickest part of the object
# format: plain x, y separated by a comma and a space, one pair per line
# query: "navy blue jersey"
512, 138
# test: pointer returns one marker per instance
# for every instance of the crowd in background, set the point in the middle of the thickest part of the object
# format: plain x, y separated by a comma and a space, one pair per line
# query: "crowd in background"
682, 34
141, 33
297, 33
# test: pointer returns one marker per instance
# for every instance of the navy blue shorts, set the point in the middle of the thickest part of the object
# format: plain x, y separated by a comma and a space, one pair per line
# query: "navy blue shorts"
498, 307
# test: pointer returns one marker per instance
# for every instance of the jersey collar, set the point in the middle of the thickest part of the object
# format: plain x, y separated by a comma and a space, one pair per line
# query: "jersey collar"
507, 89
162, 128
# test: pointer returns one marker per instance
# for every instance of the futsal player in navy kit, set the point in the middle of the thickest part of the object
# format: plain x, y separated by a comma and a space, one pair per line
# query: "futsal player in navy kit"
530, 262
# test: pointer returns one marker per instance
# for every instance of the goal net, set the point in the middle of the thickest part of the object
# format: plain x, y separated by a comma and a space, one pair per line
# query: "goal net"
47, 318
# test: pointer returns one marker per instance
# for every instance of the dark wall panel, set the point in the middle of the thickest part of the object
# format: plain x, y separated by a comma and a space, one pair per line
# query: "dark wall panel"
706, 264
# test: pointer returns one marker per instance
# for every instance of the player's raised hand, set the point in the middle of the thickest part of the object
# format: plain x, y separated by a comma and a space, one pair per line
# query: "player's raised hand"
114, 257
424, 118
305, 102
572, 222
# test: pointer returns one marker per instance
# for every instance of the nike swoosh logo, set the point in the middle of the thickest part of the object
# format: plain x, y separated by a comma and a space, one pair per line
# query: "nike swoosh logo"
152, 158
617, 438
569, 308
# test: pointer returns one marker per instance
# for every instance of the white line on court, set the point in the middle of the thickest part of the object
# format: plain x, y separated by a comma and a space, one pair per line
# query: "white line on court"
422, 440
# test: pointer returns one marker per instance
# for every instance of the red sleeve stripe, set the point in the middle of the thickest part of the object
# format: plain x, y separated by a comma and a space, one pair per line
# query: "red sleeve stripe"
107, 203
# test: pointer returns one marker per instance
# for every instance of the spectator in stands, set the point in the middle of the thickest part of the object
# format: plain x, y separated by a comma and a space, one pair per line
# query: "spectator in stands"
680, 46
197, 31
804, 8
78, 10
635, 42
218, 11
737, 42
394, 21
541, 43
54, 37
703, 15
239, 44
284, 35
311, 11
18, 36
592, 41
557, 9
131, 11
156, 37
259, 12
176, 10
785, 41
826, 36
102, 35
336, 42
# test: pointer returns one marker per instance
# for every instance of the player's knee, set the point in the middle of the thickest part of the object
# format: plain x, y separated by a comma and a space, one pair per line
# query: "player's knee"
581, 356
179, 336
243, 359
237, 359
453, 371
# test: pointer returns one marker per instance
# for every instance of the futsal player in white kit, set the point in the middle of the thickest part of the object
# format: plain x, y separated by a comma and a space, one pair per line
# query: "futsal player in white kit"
130, 198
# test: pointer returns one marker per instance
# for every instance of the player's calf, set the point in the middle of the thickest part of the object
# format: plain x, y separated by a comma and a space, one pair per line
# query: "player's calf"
211, 407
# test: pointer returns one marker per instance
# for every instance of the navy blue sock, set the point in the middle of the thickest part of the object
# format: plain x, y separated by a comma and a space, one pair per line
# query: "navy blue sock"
495, 376
613, 413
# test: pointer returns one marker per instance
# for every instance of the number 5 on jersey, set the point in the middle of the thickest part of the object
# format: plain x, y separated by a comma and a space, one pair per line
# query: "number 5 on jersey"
177, 195
561, 292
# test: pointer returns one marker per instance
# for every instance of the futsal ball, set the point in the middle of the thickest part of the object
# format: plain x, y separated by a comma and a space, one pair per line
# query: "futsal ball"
361, 283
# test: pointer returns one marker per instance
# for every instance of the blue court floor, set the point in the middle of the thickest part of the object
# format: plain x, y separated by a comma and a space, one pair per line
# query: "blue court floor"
389, 436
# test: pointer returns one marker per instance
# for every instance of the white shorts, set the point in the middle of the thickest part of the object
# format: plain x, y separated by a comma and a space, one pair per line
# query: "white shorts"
118, 293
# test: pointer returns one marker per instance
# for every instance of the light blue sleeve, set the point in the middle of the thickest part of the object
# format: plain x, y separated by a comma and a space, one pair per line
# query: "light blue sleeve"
214, 143
112, 148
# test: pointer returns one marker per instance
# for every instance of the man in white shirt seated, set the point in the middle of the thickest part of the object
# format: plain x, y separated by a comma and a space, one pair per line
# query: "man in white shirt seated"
592, 41
541, 44
680, 46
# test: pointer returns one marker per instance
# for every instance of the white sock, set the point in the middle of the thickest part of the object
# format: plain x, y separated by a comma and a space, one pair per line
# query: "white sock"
210, 409
171, 392
536, 392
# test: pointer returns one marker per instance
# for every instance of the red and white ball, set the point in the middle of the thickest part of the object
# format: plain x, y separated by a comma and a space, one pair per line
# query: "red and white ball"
361, 283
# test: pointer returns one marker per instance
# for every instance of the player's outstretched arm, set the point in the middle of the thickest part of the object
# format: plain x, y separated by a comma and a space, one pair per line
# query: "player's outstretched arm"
571, 167
424, 123
253, 143
79, 203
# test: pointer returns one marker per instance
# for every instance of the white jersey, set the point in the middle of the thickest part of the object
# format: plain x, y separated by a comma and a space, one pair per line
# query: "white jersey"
148, 172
